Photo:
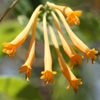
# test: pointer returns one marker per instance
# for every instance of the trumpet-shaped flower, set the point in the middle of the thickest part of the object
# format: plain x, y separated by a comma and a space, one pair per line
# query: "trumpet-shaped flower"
77, 42
31, 53
72, 16
73, 81
11, 47
75, 58
47, 73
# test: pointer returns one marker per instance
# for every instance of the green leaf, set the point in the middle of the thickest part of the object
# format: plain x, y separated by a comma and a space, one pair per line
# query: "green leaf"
17, 88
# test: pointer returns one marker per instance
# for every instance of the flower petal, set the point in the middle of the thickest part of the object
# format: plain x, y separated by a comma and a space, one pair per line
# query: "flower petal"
48, 76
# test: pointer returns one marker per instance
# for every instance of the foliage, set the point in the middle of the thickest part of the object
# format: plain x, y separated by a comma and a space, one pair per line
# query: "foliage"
23, 91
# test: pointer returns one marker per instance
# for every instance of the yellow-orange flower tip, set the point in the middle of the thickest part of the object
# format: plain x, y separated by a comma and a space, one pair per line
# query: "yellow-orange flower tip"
72, 17
76, 60
26, 69
9, 49
74, 84
92, 55
48, 76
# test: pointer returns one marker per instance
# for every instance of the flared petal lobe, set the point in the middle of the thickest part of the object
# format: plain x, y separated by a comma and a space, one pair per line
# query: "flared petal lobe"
48, 76
75, 84
92, 55
9, 49
76, 60
27, 69
72, 18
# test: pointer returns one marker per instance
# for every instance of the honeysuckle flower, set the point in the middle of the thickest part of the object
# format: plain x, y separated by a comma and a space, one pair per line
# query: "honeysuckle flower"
47, 73
73, 81
77, 42
72, 16
31, 52
75, 58
27, 69
11, 47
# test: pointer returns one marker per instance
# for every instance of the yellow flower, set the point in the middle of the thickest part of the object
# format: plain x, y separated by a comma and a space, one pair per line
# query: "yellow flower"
72, 16
77, 42
31, 52
47, 73
11, 47
75, 58
73, 81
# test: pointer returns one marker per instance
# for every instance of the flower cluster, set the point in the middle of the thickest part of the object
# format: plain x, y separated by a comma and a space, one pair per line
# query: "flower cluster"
75, 58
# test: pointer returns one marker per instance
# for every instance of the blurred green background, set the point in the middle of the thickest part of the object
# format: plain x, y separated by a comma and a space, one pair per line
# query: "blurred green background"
12, 85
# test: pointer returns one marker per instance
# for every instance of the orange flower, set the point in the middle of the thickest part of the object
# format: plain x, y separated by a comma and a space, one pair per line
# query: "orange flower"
48, 76
31, 53
47, 73
11, 47
73, 81
75, 58
72, 16
77, 42
27, 69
